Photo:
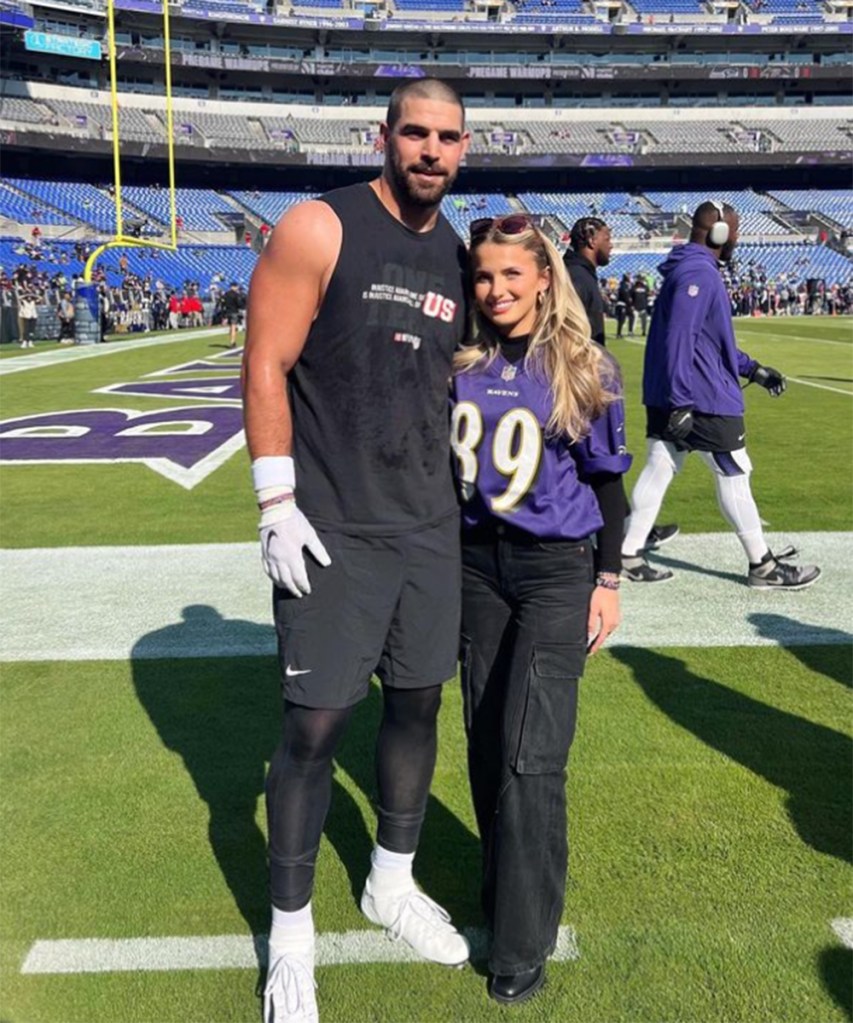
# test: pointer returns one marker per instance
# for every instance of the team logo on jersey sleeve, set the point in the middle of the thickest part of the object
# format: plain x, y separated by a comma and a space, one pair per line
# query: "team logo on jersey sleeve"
693, 290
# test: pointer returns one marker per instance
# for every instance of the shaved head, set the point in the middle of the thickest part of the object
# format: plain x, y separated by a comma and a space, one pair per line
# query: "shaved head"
421, 88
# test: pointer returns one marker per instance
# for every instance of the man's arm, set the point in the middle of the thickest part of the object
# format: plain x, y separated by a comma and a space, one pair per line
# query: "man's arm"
691, 302
285, 293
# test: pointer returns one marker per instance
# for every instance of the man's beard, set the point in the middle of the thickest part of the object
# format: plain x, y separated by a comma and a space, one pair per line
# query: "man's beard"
412, 192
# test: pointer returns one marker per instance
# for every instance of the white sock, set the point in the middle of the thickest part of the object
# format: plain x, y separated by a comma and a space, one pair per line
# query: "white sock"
292, 931
734, 496
383, 860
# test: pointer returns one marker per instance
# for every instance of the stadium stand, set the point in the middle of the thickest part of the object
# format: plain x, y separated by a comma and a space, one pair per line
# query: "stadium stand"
790, 262
85, 203
22, 208
269, 206
206, 264
745, 201
196, 206
462, 209
681, 137
13, 108
805, 134
837, 204
581, 137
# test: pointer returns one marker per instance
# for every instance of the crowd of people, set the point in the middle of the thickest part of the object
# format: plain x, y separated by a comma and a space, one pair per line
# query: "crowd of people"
751, 289
45, 283
146, 302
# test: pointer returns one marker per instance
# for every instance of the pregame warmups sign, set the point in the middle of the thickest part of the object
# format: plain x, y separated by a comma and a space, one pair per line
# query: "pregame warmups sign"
184, 443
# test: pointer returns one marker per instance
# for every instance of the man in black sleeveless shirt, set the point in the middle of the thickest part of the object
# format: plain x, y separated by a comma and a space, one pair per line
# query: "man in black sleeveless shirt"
355, 308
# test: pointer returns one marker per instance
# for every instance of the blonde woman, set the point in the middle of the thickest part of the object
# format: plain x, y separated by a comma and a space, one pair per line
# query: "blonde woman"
538, 434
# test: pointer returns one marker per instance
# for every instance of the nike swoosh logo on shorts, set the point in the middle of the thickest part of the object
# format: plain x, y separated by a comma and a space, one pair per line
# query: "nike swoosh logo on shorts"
290, 672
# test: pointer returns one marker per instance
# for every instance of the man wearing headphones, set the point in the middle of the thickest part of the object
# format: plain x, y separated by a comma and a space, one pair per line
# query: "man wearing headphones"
693, 399
589, 248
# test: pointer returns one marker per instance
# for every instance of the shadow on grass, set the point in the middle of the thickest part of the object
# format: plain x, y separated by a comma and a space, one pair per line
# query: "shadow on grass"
825, 651
835, 966
667, 561
222, 715
447, 864
810, 761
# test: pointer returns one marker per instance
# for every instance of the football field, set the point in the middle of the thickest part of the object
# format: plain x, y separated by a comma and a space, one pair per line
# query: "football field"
710, 784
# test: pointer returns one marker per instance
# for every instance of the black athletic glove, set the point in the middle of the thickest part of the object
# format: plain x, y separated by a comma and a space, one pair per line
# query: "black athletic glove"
769, 378
680, 423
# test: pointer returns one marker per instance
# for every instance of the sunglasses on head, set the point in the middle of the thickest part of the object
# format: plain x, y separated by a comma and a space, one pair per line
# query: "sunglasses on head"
510, 223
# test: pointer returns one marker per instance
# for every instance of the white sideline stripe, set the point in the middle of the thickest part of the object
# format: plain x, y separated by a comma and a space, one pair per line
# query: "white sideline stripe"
843, 927
795, 380
20, 364
213, 600
235, 951
784, 336
820, 387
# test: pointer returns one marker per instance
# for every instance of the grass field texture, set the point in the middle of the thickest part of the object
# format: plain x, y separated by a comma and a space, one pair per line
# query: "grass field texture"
709, 786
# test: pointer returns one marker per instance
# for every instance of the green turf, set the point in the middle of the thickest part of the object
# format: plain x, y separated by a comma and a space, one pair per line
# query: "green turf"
709, 789
710, 819
10, 351
793, 451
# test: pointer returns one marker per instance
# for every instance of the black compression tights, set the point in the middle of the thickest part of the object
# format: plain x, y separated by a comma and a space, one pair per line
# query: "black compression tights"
299, 784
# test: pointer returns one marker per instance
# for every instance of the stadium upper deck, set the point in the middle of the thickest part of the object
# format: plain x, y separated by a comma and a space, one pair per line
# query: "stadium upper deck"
567, 92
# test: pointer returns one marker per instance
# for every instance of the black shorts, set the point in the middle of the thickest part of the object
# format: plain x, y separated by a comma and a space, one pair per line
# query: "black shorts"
709, 433
389, 605
232, 319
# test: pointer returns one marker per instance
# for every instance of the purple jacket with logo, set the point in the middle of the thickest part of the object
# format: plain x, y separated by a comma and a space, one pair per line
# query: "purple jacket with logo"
691, 354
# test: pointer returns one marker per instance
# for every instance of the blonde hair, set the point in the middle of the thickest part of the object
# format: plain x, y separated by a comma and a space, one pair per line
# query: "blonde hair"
561, 349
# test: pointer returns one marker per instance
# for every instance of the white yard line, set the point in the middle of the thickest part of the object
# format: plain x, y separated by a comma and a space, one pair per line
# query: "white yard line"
843, 927
795, 380
213, 600
783, 336
820, 387
53, 357
235, 951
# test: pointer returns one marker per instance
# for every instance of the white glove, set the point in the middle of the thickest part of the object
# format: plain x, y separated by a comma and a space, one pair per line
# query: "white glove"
284, 531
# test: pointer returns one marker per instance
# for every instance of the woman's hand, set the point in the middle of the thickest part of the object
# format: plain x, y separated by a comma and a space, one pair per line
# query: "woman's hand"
604, 617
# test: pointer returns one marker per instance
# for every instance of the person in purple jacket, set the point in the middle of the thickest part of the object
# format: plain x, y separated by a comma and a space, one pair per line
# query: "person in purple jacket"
693, 399
538, 432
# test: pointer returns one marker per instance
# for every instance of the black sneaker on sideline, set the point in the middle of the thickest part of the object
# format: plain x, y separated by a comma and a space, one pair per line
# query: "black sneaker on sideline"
660, 535
772, 574
638, 570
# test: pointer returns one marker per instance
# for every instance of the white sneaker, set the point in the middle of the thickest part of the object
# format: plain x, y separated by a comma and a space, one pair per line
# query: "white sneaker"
409, 915
289, 993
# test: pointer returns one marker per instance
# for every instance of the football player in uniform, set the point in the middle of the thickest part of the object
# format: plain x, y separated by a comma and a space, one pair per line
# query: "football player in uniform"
693, 399
539, 437
356, 307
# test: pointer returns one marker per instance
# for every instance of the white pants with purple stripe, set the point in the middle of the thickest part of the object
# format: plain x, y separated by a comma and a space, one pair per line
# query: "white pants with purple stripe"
731, 471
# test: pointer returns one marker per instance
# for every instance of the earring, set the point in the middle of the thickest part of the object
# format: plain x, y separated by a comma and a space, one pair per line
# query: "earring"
540, 298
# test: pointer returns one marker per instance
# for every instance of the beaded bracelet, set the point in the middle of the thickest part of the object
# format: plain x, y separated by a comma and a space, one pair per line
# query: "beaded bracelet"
608, 580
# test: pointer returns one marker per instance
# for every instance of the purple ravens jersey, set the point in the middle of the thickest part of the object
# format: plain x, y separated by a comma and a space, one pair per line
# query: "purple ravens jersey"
508, 469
